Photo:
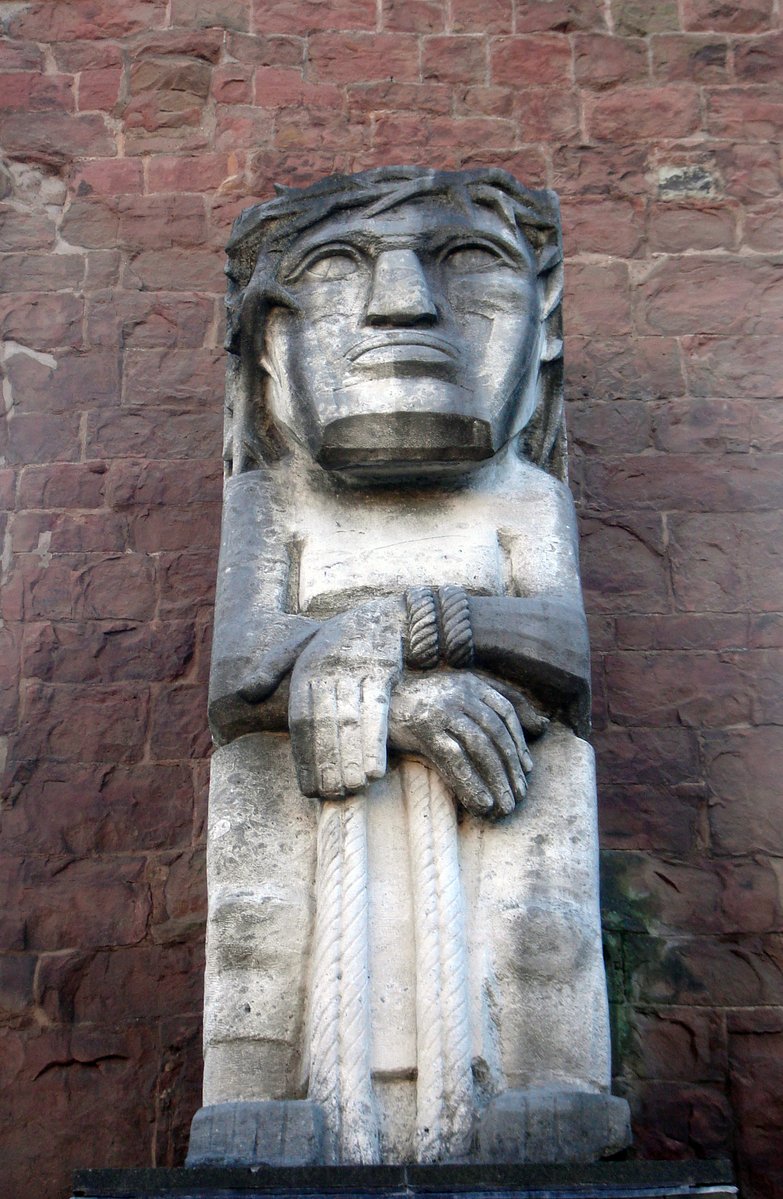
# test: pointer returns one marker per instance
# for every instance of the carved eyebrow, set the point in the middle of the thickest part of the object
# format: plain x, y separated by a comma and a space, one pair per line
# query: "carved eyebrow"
368, 242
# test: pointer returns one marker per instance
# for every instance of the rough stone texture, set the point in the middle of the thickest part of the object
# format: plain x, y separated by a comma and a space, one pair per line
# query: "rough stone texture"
692, 412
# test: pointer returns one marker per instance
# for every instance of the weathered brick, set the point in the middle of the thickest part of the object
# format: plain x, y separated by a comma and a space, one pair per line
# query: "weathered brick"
417, 97
42, 320
135, 222
622, 368
664, 894
179, 724
734, 366
20, 56
192, 270
628, 114
455, 59
25, 230
690, 426
683, 630
72, 19
414, 16
599, 170
63, 486
675, 1120
226, 14
636, 17
705, 295
354, 57
86, 586
68, 532
674, 228
745, 17
743, 770
131, 983
750, 113
54, 139
308, 16
693, 688
76, 809
482, 16
595, 427
623, 564
597, 299
39, 272
147, 483
646, 818
547, 115
756, 1071
560, 16
718, 972
29, 437
530, 61
23, 91
683, 57
100, 1077
273, 50
137, 434
593, 226
186, 584
600, 59
107, 651
751, 172
166, 94
111, 728
763, 230
77, 380
147, 320
684, 482
99, 90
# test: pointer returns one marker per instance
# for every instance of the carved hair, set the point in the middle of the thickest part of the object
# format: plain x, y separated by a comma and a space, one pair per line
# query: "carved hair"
263, 233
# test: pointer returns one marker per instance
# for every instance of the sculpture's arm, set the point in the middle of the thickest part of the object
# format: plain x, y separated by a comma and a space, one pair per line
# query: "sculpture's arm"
541, 644
256, 642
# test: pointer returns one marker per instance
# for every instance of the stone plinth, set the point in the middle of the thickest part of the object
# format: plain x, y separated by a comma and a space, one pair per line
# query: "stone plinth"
605, 1180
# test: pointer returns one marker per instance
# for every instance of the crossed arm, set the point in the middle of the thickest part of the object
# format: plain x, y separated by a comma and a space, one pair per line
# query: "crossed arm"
346, 693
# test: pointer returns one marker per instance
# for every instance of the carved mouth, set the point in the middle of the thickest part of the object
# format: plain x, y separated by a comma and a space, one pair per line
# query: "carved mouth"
404, 345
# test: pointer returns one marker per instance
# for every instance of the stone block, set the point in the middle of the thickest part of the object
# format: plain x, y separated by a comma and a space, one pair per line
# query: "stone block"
275, 1132
519, 1126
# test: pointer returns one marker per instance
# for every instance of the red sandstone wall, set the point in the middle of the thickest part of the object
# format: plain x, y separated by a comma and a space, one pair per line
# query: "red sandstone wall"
133, 133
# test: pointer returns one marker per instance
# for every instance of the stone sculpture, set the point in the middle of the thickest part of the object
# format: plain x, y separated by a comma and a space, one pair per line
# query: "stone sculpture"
403, 950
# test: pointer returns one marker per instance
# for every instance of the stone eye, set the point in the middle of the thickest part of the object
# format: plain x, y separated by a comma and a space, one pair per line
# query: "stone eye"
465, 259
329, 267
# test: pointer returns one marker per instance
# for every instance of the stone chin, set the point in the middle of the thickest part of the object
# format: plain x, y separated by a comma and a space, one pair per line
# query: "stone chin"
400, 418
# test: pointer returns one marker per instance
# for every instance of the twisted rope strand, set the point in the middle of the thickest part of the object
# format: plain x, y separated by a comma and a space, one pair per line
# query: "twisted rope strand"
444, 1092
340, 1078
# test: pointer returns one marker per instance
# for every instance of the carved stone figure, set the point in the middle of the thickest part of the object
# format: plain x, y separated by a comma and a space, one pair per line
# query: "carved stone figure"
403, 950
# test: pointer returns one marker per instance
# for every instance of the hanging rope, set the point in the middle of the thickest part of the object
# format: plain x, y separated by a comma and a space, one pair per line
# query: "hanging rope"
340, 1077
444, 1092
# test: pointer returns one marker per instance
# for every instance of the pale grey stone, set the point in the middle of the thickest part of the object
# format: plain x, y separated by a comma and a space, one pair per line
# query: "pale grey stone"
403, 915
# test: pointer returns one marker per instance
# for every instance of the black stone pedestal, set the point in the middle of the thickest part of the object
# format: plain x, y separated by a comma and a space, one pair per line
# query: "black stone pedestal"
604, 1180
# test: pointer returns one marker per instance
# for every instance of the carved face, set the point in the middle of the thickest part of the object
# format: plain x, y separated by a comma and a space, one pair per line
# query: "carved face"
413, 338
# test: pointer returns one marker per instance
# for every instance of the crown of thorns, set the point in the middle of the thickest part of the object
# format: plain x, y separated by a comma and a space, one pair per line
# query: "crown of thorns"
263, 232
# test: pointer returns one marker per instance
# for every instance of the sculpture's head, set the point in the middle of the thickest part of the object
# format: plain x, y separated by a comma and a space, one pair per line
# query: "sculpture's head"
395, 322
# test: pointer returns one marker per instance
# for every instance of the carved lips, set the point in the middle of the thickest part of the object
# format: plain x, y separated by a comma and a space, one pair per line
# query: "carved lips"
404, 347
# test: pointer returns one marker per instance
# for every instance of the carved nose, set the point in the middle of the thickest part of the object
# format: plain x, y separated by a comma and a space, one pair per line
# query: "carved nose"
400, 292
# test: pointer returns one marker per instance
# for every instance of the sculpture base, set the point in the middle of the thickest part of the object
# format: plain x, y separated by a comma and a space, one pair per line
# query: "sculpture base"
605, 1180
275, 1132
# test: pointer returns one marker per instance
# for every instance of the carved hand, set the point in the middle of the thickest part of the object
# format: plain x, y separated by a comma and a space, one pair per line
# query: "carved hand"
339, 702
470, 732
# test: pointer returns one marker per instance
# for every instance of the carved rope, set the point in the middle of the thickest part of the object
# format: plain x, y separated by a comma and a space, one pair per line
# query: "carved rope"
455, 623
340, 1078
444, 1089
423, 641
438, 626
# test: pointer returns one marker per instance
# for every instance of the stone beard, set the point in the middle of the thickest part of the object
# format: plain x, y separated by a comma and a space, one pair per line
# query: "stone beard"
403, 949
